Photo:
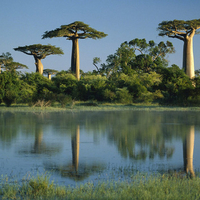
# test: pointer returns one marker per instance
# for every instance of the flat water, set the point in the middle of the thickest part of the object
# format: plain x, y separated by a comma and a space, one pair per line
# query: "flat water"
74, 148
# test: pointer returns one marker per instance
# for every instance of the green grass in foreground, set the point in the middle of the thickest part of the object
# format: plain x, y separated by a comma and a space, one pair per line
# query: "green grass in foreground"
88, 106
141, 187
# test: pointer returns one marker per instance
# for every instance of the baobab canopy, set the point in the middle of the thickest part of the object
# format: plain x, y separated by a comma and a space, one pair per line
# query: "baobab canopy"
185, 31
74, 31
39, 51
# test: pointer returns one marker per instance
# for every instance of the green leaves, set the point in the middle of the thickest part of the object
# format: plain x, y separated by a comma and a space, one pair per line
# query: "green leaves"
74, 30
6, 62
178, 28
39, 50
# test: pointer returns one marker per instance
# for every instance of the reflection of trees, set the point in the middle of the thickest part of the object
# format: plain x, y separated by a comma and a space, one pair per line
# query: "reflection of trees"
39, 146
188, 149
141, 134
75, 170
136, 134
9, 126
75, 149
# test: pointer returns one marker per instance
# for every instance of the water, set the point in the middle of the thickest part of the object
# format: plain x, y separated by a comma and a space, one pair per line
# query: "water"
75, 148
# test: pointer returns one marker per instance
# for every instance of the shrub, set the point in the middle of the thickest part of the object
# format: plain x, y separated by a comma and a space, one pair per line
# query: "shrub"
64, 99
123, 95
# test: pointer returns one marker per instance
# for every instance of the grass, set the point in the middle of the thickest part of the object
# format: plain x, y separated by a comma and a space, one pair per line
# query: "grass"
94, 106
140, 187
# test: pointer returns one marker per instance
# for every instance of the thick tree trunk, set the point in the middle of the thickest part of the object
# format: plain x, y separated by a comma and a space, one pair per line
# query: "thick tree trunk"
188, 56
188, 149
49, 76
75, 65
39, 65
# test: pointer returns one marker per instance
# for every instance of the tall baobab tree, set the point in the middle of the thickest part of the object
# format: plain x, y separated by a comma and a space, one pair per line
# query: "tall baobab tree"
75, 31
39, 52
185, 31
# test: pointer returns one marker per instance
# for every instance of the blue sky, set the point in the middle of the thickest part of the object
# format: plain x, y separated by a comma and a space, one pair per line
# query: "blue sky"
23, 22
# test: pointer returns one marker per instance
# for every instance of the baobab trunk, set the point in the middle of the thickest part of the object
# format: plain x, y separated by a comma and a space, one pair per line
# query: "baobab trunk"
188, 150
49, 76
188, 56
75, 65
39, 65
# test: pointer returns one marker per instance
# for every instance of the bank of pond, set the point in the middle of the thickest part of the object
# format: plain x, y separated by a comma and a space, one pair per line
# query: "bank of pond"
140, 186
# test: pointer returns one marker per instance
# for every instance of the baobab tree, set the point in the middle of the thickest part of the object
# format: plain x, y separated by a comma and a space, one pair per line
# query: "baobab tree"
49, 72
39, 52
75, 31
185, 31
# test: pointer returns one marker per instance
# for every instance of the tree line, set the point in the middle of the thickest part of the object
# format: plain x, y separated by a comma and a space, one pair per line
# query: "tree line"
137, 72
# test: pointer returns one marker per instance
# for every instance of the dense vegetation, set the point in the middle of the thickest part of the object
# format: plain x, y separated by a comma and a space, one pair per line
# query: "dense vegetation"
126, 77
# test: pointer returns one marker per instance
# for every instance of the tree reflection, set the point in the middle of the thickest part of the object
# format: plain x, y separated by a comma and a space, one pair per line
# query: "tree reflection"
188, 150
75, 149
75, 170
39, 146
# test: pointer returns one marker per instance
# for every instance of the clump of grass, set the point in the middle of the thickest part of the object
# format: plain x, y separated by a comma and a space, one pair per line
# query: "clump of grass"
140, 187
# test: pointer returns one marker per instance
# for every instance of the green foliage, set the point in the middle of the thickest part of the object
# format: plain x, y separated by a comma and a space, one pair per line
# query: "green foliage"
123, 96
126, 61
178, 28
175, 86
7, 63
63, 99
91, 87
9, 87
109, 95
40, 87
65, 83
72, 30
141, 86
40, 51
142, 186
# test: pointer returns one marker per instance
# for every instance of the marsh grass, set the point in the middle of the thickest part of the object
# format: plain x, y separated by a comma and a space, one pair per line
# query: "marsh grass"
77, 106
140, 187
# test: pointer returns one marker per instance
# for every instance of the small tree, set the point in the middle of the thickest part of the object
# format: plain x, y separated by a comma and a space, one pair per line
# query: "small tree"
96, 60
153, 49
74, 32
185, 31
39, 52
49, 72
6, 63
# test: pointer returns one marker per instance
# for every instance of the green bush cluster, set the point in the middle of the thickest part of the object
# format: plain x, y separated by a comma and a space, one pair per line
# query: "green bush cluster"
166, 86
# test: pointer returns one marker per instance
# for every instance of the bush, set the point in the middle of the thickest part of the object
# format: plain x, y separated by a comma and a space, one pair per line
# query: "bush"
10, 87
91, 87
123, 96
65, 83
64, 99
109, 95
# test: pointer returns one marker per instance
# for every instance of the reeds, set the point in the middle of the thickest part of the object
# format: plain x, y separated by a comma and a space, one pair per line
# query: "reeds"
93, 106
140, 187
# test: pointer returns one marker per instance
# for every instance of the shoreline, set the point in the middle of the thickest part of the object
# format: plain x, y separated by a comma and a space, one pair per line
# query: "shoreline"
98, 107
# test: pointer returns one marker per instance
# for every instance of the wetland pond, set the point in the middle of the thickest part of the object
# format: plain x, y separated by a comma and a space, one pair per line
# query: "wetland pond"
91, 146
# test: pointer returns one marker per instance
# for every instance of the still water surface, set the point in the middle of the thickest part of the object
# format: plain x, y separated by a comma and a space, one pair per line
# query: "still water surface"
75, 148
